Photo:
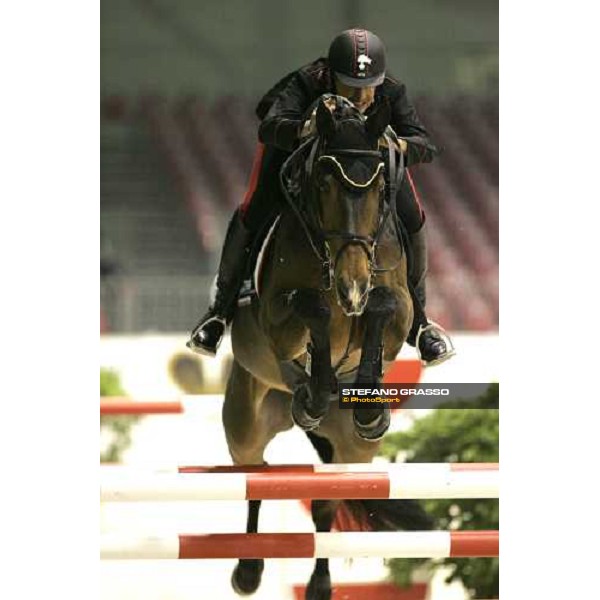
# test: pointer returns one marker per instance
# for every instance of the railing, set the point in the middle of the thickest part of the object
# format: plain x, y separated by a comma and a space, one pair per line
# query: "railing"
153, 303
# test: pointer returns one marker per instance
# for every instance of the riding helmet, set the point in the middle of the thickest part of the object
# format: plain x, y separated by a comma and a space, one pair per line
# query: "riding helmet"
357, 57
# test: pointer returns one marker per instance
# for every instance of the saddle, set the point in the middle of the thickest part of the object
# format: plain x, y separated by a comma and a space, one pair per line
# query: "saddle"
252, 281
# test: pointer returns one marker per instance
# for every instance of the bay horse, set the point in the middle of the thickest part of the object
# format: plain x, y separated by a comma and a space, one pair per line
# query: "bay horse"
333, 305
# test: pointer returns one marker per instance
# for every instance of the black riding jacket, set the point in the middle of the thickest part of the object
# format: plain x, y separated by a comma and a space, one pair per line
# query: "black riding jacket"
283, 109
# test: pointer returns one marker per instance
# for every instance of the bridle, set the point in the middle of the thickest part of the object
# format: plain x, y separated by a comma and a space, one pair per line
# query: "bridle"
296, 175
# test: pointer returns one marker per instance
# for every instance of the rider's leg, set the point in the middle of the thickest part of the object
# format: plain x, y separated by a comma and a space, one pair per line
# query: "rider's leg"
434, 345
243, 227
208, 333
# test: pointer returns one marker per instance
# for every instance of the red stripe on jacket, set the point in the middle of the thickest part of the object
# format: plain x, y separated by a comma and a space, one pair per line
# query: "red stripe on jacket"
256, 167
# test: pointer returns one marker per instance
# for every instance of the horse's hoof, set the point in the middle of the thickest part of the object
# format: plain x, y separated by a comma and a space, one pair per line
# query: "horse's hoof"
319, 587
246, 576
376, 429
300, 415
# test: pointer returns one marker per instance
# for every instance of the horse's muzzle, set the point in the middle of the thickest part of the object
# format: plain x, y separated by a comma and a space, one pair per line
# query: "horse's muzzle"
353, 298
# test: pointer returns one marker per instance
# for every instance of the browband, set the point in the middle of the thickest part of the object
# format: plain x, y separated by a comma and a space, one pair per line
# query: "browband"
380, 166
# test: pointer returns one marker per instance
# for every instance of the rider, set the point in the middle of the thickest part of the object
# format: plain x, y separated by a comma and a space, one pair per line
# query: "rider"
355, 69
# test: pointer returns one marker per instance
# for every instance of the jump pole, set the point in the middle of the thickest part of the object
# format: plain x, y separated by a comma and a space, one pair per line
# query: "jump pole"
382, 544
317, 482
124, 406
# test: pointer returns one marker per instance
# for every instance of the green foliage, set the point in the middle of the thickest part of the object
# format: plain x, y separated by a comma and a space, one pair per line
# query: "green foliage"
458, 435
118, 425
110, 384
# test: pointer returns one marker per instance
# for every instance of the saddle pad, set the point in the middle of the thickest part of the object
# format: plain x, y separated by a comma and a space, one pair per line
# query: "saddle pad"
251, 287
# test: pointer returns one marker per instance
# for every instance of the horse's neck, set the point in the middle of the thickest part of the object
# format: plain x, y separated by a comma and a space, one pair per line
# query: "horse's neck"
292, 235
292, 250
389, 244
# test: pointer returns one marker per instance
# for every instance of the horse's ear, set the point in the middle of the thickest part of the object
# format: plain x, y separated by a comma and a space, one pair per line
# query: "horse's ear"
325, 120
379, 119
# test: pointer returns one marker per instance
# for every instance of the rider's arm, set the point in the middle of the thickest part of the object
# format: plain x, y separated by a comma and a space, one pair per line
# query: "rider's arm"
407, 126
282, 124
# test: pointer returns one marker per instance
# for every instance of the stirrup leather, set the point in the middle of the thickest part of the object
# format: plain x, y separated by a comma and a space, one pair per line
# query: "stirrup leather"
450, 351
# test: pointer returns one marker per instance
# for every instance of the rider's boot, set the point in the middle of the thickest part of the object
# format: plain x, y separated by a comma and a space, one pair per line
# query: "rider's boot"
208, 333
433, 344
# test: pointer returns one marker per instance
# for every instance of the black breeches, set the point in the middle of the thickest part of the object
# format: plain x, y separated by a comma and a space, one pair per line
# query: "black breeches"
264, 198
407, 205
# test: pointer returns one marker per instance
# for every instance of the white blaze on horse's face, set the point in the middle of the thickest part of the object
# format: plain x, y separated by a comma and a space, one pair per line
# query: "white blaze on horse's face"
357, 299
352, 296
356, 215
349, 216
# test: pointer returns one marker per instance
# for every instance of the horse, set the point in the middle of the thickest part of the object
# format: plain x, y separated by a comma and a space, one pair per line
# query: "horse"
333, 306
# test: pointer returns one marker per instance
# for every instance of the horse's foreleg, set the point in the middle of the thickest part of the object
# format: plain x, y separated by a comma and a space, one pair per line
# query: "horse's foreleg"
311, 402
372, 422
275, 417
247, 430
319, 586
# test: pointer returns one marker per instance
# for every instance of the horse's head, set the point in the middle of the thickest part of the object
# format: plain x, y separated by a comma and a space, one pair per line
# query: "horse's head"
348, 185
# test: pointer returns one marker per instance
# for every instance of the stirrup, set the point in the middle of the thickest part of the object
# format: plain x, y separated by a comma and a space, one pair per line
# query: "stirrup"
200, 348
450, 351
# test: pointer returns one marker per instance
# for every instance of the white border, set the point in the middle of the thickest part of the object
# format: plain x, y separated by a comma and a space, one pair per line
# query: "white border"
49, 246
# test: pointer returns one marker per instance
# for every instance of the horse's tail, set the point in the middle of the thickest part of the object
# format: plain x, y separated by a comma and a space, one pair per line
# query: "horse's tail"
373, 515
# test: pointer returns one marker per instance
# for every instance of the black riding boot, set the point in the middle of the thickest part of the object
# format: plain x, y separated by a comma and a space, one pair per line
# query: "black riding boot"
207, 335
432, 342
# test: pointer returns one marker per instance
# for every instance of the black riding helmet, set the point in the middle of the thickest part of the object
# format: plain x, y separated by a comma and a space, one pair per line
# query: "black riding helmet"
357, 57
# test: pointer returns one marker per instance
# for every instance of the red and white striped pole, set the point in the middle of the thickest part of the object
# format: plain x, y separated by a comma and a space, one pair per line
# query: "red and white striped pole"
318, 482
383, 544
116, 405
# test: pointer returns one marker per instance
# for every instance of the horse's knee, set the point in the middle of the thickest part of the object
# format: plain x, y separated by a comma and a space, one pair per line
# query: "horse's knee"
382, 301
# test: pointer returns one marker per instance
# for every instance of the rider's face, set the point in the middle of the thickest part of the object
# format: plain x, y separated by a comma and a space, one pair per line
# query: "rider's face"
361, 97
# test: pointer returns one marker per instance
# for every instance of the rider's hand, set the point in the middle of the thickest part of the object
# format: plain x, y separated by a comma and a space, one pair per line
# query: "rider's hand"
310, 126
401, 145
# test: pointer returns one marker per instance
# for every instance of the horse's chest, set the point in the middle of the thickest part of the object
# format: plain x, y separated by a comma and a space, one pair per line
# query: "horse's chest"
345, 338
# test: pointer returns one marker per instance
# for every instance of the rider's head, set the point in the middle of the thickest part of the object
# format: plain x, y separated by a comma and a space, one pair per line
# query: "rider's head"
357, 59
